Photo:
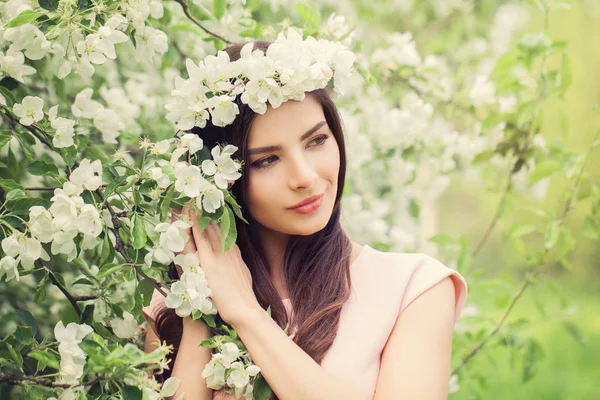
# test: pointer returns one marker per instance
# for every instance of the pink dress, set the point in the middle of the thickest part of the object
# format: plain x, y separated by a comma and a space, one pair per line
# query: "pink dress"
383, 285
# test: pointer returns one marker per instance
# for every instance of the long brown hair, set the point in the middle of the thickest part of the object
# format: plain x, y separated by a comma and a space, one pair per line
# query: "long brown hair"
316, 267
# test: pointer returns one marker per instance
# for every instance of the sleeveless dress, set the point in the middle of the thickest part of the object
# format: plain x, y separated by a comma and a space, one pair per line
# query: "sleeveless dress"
383, 285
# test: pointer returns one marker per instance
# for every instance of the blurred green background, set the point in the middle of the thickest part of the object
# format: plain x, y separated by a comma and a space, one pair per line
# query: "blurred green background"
565, 305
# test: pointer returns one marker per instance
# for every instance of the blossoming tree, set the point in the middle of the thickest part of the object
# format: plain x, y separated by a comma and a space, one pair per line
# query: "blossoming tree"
93, 105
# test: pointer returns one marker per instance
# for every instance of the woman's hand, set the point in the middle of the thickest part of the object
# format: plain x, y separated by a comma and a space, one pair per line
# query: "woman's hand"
227, 274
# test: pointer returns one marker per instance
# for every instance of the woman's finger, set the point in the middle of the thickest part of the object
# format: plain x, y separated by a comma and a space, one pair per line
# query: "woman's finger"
201, 240
214, 235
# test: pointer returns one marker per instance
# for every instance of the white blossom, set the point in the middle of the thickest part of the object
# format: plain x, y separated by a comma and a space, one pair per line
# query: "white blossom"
88, 175
210, 199
29, 38
109, 123
40, 224
72, 357
12, 64
482, 92
190, 180
8, 267
63, 137
190, 293
30, 110
84, 106
126, 327
222, 166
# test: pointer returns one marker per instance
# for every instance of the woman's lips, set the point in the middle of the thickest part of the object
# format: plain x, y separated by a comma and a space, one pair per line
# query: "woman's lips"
310, 207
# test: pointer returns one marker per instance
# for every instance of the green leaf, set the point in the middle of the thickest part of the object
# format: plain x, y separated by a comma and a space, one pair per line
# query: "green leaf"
87, 316
108, 269
591, 228
146, 290
566, 75
551, 235
309, 14
4, 139
228, 229
69, 154
23, 18
234, 205
210, 320
219, 8
27, 320
41, 168
108, 250
575, 332
9, 96
442, 239
45, 359
40, 292
16, 194
166, 203
84, 4
484, 156
262, 390
131, 393
23, 335
15, 355
199, 12
10, 184
544, 169
202, 222
50, 5
521, 229
534, 353
138, 231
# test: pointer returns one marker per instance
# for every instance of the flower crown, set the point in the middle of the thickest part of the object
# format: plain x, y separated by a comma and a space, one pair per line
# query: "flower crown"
290, 67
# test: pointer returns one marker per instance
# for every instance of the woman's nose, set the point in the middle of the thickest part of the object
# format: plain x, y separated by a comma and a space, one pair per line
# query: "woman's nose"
302, 173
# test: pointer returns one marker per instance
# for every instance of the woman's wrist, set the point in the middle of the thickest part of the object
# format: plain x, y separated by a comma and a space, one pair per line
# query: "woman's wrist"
195, 325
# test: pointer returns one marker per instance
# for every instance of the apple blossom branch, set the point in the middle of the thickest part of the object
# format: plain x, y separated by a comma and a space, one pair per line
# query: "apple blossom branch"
186, 11
532, 273
31, 128
72, 299
115, 219
120, 247
22, 380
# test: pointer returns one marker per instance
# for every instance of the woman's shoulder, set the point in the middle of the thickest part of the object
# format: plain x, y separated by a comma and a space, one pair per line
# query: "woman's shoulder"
402, 277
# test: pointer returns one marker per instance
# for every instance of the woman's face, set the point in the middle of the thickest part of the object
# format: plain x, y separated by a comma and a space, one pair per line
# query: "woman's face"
292, 155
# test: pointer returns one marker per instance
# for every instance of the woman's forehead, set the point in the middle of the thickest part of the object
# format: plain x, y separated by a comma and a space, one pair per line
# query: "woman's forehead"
292, 117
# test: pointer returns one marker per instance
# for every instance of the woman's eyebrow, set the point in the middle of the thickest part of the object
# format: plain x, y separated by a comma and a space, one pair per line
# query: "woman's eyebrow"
275, 148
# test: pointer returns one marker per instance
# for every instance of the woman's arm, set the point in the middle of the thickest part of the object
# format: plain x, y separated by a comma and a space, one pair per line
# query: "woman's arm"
290, 372
191, 359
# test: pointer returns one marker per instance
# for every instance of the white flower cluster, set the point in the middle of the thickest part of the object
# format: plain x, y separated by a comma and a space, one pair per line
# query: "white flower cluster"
191, 292
239, 374
106, 120
193, 181
72, 49
67, 217
290, 67
72, 357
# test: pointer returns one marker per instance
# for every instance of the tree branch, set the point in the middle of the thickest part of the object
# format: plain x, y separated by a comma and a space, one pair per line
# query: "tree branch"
532, 273
496, 217
22, 380
30, 128
72, 299
186, 11
120, 246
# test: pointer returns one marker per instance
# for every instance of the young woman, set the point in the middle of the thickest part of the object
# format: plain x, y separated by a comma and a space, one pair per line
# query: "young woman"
365, 324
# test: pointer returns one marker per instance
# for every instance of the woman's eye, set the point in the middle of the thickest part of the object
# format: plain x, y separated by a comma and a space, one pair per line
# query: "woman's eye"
320, 140
261, 164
